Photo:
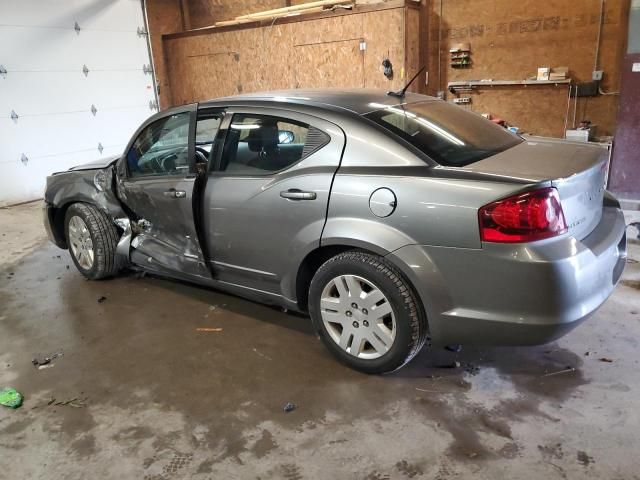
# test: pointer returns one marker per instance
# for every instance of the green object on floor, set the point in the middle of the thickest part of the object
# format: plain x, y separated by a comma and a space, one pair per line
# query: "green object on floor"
11, 398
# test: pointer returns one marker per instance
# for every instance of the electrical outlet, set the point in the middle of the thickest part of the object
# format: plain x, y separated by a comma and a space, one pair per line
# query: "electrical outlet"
597, 75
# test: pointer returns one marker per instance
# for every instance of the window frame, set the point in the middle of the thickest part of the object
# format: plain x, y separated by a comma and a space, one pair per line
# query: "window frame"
204, 112
123, 169
285, 115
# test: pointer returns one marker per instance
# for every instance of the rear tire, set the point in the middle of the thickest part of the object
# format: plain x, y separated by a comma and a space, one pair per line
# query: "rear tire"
366, 312
92, 239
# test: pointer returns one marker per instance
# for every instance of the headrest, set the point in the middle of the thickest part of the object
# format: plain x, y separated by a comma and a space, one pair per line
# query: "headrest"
265, 137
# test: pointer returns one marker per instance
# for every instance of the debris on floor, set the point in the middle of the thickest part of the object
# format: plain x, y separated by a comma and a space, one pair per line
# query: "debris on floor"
289, 407
101, 299
260, 354
212, 307
428, 391
208, 329
565, 370
74, 402
9, 397
606, 360
455, 364
45, 362
454, 348
471, 369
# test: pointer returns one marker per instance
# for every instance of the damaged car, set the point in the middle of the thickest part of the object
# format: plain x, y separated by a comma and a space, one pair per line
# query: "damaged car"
392, 220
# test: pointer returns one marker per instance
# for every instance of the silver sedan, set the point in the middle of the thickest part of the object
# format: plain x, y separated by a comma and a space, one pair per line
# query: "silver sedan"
390, 219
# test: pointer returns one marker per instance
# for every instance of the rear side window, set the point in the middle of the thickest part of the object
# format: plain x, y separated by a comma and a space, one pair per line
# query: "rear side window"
448, 134
262, 144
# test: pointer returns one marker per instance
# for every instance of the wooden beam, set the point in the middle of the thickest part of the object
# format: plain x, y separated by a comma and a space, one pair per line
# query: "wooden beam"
185, 14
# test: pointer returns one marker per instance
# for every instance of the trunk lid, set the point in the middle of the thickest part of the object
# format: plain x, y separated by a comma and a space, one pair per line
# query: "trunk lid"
577, 170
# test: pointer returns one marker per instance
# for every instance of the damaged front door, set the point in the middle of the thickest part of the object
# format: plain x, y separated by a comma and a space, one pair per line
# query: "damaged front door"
156, 180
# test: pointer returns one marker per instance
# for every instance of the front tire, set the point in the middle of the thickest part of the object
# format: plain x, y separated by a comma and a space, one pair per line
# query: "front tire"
92, 239
366, 312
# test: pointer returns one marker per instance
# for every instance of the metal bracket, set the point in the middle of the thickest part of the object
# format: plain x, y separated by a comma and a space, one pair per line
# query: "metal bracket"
77, 28
85, 70
141, 32
94, 110
3, 71
122, 249
153, 105
100, 148
147, 69
24, 159
14, 116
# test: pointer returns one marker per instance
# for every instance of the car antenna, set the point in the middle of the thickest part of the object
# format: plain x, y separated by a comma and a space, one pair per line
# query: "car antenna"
400, 93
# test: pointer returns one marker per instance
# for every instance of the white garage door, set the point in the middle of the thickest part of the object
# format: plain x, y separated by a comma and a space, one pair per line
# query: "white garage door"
74, 85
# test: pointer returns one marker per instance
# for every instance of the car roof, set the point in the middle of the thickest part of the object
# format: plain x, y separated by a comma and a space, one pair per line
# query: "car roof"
359, 101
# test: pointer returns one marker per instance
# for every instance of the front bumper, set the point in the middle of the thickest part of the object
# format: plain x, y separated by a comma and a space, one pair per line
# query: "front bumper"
48, 219
516, 294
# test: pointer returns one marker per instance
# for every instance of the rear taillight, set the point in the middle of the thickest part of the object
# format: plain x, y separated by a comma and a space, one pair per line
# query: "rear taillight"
523, 218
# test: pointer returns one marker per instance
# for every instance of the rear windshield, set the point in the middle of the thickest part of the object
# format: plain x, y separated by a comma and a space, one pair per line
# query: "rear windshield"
448, 134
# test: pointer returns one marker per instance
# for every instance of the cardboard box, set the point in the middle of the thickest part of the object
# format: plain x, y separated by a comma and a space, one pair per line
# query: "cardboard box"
558, 73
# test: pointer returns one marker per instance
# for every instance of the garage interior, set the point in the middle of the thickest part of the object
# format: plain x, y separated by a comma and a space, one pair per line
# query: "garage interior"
158, 379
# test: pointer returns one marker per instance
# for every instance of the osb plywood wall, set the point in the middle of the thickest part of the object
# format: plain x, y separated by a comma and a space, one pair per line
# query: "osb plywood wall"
510, 40
164, 16
322, 52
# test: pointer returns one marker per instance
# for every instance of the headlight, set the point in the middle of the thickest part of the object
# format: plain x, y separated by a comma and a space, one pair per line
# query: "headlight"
100, 180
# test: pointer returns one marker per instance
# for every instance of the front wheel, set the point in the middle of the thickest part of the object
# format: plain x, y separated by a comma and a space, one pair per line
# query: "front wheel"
92, 239
366, 313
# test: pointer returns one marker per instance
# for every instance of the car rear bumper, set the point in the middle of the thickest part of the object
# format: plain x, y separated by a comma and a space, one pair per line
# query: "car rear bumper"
516, 294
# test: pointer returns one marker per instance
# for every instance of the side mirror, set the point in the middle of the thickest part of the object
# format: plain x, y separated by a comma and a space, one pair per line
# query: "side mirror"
285, 137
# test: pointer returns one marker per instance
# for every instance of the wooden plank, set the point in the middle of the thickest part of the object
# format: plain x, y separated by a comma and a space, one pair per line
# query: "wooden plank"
388, 5
267, 17
285, 10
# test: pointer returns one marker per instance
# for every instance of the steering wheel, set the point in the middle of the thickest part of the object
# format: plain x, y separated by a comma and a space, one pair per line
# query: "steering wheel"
162, 162
202, 154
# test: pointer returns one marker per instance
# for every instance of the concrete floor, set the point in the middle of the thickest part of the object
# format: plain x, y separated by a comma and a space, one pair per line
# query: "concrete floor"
157, 399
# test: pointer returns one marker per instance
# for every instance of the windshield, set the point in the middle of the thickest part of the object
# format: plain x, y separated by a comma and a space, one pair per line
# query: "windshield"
448, 134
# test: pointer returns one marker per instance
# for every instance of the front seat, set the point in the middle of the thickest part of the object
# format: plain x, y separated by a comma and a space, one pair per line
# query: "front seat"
264, 142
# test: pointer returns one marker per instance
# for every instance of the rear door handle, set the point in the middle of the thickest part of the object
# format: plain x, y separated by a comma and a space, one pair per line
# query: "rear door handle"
173, 193
296, 194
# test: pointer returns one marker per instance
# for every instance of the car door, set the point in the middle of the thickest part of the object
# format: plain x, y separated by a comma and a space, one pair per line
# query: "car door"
266, 198
156, 180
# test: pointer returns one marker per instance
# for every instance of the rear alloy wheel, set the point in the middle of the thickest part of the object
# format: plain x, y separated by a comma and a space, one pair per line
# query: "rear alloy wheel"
357, 316
92, 239
366, 313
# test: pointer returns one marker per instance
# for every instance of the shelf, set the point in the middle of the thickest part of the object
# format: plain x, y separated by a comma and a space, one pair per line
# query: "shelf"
492, 83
